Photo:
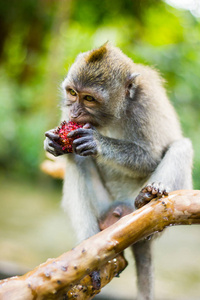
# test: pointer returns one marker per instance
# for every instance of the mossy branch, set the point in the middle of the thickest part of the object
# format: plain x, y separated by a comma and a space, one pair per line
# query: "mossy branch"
61, 277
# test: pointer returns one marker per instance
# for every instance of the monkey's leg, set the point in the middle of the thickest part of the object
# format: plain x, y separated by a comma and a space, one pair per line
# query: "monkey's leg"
143, 260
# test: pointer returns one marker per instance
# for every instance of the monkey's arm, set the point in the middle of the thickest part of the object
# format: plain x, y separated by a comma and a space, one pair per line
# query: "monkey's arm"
134, 156
84, 195
174, 171
175, 168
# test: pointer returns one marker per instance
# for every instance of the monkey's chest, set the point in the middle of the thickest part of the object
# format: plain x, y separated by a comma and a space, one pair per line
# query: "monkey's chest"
120, 186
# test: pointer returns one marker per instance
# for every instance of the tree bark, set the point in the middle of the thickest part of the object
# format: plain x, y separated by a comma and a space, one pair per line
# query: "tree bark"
55, 278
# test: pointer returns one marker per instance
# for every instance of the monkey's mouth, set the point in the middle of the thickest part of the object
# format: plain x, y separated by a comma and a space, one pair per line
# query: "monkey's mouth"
83, 119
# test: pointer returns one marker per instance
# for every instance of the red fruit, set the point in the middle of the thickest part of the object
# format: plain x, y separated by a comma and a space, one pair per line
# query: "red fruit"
63, 131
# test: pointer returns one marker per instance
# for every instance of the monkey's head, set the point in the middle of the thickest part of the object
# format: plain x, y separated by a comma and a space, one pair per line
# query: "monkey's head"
98, 84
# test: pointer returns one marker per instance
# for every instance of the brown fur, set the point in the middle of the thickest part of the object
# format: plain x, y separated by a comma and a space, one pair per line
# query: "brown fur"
96, 55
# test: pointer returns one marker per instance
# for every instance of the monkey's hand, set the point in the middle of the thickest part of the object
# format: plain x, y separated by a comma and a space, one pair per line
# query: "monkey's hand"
85, 142
51, 145
150, 191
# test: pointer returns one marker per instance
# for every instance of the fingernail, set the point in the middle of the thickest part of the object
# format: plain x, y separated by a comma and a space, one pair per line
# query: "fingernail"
86, 126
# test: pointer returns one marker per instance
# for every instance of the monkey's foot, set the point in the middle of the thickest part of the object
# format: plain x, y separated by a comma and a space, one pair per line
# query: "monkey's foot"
96, 280
150, 191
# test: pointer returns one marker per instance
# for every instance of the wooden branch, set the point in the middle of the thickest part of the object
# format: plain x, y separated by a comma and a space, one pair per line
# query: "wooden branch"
53, 166
56, 277
85, 290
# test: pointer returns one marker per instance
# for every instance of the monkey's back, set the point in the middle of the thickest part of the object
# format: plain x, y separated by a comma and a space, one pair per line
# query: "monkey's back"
149, 120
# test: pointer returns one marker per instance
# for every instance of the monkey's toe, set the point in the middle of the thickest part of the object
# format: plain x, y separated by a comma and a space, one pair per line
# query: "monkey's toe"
150, 191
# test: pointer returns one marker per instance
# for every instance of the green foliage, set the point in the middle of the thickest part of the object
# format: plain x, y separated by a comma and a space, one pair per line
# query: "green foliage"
39, 40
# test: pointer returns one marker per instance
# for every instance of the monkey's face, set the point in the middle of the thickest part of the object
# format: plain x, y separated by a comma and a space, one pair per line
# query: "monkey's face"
87, 104
95, 87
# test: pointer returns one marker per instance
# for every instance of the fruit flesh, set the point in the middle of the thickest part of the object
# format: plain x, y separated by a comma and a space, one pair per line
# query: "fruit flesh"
62, 131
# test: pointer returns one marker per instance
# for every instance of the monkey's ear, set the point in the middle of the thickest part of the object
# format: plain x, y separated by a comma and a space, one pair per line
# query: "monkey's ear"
133, 76
131, 85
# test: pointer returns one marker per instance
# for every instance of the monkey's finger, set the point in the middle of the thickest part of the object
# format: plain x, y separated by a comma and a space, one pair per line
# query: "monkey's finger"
155, 187
166, 191
55, 145
82, 147
79, 132
81, 140
53, 151
154, 191
87, 126
56, 148
144, 190
89, 146
142, 199
52, 136
160, 186
159, 193
49, 146
160, 189
148, 196
149, 187
88, 152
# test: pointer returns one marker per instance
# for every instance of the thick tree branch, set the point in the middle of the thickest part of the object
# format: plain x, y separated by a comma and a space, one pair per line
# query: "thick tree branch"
53, 166
55, 278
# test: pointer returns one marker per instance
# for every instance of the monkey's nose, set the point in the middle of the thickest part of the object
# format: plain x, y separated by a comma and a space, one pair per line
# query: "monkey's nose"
75, 115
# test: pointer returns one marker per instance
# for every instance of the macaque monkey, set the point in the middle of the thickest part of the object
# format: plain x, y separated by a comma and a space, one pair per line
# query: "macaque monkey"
131, 137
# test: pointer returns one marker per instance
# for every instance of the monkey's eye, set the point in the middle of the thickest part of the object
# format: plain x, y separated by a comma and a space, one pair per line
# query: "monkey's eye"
89, 98
72, 92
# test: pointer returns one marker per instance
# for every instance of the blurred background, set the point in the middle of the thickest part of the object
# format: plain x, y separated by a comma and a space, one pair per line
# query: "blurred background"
39, 40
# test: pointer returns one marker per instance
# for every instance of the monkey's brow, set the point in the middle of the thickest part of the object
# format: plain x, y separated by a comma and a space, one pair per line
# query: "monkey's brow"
96, 91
